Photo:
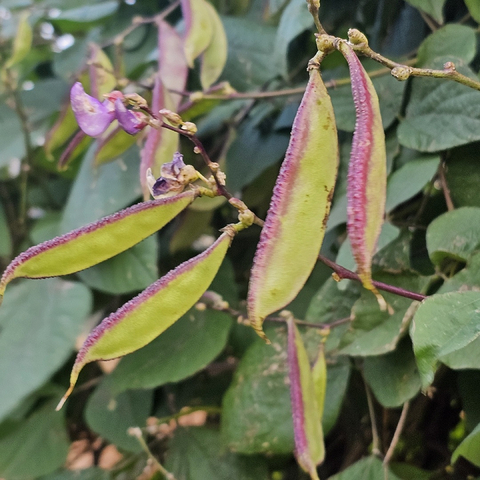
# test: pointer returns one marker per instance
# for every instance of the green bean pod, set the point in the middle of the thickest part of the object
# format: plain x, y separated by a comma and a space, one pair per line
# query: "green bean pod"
295, 224
96, 242
146, 316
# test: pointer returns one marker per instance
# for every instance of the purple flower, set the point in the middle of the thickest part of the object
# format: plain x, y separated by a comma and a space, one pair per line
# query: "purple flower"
132, 122
166, 187
173, 169
92, 116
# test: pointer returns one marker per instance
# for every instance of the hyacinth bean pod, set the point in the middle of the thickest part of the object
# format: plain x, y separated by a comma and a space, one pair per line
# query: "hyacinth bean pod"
307, 418
367, 177
146, 316
96, 242
295, 224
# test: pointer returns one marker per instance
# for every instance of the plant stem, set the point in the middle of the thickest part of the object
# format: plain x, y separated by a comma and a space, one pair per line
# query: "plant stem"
371, 410
344, 273
397, 433
445, 189
137, 433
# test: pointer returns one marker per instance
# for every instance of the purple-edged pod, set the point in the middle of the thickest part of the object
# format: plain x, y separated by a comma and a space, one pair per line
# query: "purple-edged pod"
146, 316
306, 414
96, 242
367, 174
295, 225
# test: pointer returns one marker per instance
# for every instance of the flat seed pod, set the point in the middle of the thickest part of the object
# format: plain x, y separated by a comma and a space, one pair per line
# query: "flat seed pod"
198, 29
307, 420
146, 316
96, 242
295, 225
367, 174
215, 56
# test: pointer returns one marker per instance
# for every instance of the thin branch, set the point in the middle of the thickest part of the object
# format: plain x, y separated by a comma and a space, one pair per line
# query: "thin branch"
371, 410
137, 433
397, 433
344, 273
444, 185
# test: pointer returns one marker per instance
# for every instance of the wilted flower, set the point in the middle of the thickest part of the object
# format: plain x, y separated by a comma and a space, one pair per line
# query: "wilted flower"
94, 117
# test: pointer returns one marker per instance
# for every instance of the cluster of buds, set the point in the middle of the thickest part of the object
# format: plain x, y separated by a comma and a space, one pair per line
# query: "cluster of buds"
175, 176
94, 117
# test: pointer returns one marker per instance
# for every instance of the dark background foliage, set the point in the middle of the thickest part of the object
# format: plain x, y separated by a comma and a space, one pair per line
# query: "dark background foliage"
207, 361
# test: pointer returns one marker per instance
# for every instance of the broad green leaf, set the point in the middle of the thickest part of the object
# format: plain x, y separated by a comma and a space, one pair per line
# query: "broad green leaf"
130, 271
55, 310
393, 377
249, 63
101, 191
453, 40
199, 453
306, 414
390, 95
474, 9
454, 235
407, 472
11, 137
369, 468
111, 415
5, 238
299, 208
469, 448
463, 176
34, 447
95, 242
444, 324
467, 278
188, 346
89, 13
23, 41
136, 323
373, 331
198, 28
295, 19
434, 8
93, 473
441, 114
215, 56
407, 181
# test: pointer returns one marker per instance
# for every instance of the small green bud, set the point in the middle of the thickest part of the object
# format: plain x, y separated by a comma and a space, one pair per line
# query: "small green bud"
356, 37
401, 73
173, 118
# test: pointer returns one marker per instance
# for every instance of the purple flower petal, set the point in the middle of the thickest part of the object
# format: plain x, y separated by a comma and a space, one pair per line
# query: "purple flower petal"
132, 122
93, 116
166, 187
172, 169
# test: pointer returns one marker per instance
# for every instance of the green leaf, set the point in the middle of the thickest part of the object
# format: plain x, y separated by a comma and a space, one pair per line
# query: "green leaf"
200, 453
444, 324
434, 8
373, 331
454, 235
101, 191
111, 415
441, 114
11, 137
188, 346
132, 270
469, 448
451, 40
5, 238
34, 447
23, 41
369, 468
249, 63
474, 9
407, 181
390, 94
92, 473
89, 13
295, 19
393, 377
54, 310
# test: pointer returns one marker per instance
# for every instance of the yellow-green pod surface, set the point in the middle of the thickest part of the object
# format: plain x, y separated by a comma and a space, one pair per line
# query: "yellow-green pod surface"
295, 225
150, 313
307, 418
96, 242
